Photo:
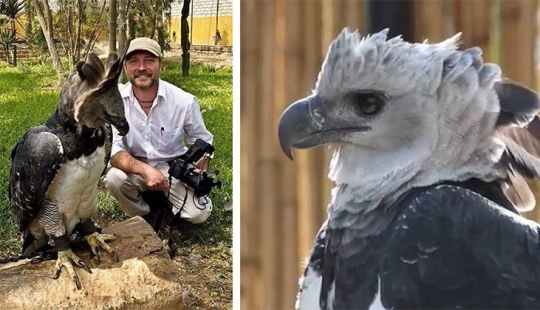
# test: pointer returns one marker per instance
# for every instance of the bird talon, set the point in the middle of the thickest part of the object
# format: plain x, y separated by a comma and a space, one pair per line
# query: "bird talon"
115, 256
77, 282
84, 266
56, 274
98, 242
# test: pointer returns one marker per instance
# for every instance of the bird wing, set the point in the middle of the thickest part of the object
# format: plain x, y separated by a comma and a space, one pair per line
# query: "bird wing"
454, 248
523, 158
310, 285
447, 247
36, 159
519, 127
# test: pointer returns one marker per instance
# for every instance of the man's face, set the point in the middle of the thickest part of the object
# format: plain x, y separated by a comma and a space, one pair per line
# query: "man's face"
143, 69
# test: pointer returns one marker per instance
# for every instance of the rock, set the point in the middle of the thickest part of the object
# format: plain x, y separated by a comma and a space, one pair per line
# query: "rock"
145, 277
229, 206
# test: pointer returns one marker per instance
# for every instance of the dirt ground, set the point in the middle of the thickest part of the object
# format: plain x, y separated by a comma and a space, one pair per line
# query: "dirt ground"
215, 60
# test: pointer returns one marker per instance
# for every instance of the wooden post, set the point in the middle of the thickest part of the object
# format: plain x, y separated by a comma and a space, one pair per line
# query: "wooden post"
186, 44
473, 18
518, 27
252, 293
429, 20
292, 69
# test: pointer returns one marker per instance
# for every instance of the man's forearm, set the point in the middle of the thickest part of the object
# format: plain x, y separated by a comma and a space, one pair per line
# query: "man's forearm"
127, 163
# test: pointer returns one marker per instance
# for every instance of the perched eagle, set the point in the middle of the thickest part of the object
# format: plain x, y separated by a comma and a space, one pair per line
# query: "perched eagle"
56, 167
428, 164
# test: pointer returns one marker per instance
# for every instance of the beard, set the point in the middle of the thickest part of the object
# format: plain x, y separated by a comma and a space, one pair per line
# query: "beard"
146, 84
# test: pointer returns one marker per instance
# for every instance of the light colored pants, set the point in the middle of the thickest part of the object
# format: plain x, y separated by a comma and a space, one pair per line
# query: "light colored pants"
126, 188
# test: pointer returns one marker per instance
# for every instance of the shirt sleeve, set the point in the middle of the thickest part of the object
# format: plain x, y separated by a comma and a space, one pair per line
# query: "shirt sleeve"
117, 143
194, 124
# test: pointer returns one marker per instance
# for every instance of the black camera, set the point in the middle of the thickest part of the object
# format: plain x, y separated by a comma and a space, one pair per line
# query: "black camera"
183, 169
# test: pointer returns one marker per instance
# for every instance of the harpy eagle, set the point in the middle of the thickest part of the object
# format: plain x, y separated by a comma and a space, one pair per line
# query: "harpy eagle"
423, 161
56, 166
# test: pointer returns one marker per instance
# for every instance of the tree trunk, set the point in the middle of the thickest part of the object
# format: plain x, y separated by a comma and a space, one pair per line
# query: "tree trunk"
184, 38
5, 45
122, 18
80, 21
13, 39
45, 21
71, 35
159, 27
113, 15
14, 55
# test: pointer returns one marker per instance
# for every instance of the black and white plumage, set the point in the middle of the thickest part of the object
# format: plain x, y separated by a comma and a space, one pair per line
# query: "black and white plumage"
429, 151
56, 166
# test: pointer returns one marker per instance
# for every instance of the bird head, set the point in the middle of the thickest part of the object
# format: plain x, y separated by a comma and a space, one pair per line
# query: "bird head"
389, 108
92, 95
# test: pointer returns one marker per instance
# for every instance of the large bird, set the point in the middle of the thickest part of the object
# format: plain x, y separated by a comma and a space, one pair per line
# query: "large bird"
56, 166
428, 171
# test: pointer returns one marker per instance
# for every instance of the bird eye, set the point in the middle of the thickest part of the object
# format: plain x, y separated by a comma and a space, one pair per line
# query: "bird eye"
368, 104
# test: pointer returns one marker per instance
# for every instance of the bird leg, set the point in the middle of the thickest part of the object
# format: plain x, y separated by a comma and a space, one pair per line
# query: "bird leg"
96, 240
66, 258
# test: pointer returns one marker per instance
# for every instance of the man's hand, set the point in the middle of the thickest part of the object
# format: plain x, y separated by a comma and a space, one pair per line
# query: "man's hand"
202, 164
155, 180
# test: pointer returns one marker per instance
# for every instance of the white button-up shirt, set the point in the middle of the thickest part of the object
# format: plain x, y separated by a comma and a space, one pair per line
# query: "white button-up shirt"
159, 136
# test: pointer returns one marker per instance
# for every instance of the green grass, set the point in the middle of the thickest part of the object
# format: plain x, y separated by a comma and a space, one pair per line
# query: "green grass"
28, 95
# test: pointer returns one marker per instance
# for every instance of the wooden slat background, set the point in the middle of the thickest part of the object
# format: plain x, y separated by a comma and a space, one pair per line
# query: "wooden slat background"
283, 43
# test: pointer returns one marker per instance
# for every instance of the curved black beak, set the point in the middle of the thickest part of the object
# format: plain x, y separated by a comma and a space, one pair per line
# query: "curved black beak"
122, 127
309, 123
297, 125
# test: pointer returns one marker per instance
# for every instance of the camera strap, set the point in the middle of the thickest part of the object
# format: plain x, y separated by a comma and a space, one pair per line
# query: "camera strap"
176, 217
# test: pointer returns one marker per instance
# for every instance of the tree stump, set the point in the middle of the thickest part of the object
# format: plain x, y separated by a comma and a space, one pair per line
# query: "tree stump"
145, 277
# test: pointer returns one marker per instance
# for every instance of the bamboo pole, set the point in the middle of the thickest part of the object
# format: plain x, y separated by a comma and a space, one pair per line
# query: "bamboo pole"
269, 248
289, 18
251, 290
430, 20
473, 19
518, 27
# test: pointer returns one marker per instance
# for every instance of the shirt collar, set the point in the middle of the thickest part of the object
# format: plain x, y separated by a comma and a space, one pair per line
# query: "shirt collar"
161, 90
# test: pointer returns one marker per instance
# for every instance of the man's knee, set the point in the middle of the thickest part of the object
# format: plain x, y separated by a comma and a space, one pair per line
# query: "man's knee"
115, 179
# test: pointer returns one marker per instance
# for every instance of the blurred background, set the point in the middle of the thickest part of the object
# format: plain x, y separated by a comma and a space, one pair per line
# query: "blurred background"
283, 45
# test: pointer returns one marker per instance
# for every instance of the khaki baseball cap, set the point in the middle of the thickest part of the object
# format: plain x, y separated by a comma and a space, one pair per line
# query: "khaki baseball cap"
145, 44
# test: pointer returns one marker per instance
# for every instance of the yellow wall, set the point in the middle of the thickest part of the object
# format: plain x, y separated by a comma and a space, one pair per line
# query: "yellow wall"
204, 30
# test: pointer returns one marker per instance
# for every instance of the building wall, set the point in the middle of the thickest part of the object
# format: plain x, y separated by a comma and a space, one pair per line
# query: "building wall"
202, 21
